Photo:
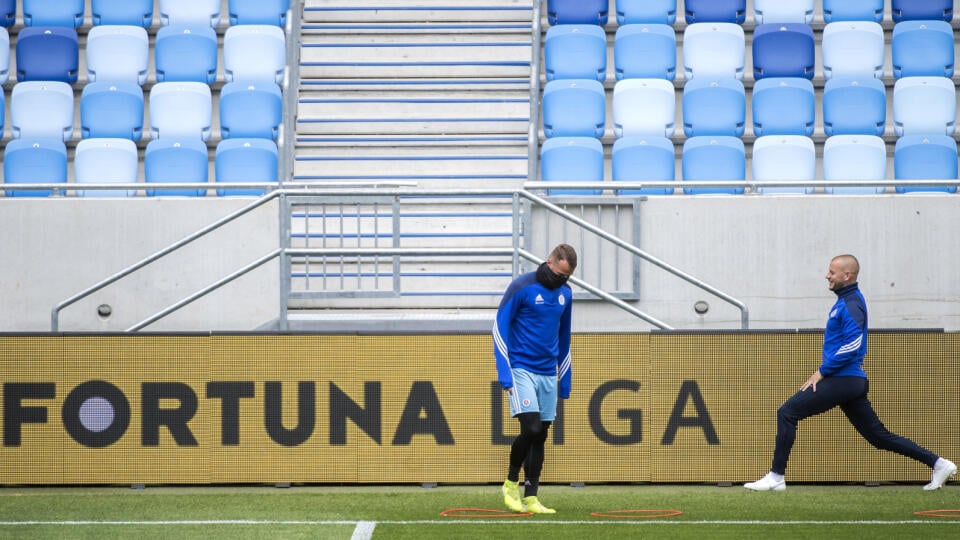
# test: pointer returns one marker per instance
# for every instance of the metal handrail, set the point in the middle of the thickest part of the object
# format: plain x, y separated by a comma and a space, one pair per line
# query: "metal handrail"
533, 129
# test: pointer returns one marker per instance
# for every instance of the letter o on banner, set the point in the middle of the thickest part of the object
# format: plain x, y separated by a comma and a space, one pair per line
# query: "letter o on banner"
96, 414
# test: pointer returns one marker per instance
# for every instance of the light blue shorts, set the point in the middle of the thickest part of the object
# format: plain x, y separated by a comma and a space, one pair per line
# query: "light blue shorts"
534, 393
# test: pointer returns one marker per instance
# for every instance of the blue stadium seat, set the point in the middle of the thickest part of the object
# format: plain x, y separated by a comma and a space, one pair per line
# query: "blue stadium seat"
246, 160
258, 12
645, 51
253, 109
925, 157
42, 110
854, 157
729, 11
575, 51
644, 107
783, 106
922, 48
254, 52
646, 11
784, 157
118, 53
714, 107
180, 110
53, 13
111, 110
713, 158
578, 159
578, 12
852, 49
854, 106
783, 50
4, 59
783, 11
924, 105
123, 12
635, 159
34, 161
918, 10
713, 50
8, 13
47, 53
202, 12
852, 10
186, 53
175, 160
574, 108
103, 161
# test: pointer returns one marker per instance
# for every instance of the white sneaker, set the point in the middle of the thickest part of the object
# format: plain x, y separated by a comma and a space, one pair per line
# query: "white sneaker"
767, 483
943, 469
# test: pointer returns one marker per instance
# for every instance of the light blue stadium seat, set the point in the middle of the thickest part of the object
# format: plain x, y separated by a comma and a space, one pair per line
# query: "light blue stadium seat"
711, 158
253, 109
783, 106
918, 10
729, 11
571, 159
47, 53
925, 157
246, 160
258, 12
714, 107
42, 110
106, 161
784, 157
783, 50
854, 157
924, 105
186, 53
574, 108
34, 161
646, 11
578, 12
180, 110
852, 10
8, 13
118, 53
202, 12
174, 160
852, 49
644, 107
713, 50
111, 110
645, 51
53, 13
4, 59
635, 159
575, 51
922, 48
854, 106
123, 12
783, 11
254, 52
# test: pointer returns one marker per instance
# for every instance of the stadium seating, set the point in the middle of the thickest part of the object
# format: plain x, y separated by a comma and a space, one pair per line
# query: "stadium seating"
254, 52
854, 106
8, 13
201, 12
852, 49
783, 11
713, 158
180, 110
783, 50
53, 13
574, 108
925, 157
571, 159
111, 110
645, 51
575, 51
246, 160
175, 160
783, 106
713, 50
852, 10
186, 53
714, 107
854, 157
918, 10
577, 12
4, 59
646, 11
42, 110
117, 53
922, 48
784, 157
644, 107
258, 12
105, 160
47, 53
123, 12
635, 159
34, 161
924, 105
729, 11
253, 109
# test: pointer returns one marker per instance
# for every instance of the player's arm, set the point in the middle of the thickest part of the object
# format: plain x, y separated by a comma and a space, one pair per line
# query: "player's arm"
501, 337
564, 364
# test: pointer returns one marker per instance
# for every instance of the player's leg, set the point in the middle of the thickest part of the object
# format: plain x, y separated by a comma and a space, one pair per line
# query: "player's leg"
533, 464
525, 407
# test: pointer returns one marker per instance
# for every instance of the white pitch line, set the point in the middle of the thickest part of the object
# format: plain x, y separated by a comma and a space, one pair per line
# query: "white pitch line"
364, 530
372, 524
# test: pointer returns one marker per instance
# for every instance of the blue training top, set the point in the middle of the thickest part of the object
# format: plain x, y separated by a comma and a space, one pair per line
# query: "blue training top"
845, 337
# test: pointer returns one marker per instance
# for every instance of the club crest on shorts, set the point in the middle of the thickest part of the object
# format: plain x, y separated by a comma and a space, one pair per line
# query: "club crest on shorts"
526, 403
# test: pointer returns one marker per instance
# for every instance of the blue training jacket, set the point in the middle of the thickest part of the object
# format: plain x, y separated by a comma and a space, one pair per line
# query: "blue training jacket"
532, 331
845, 337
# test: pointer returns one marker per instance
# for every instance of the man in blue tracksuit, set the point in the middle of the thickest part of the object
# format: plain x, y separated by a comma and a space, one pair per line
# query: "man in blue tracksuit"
841, 381
531, 343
